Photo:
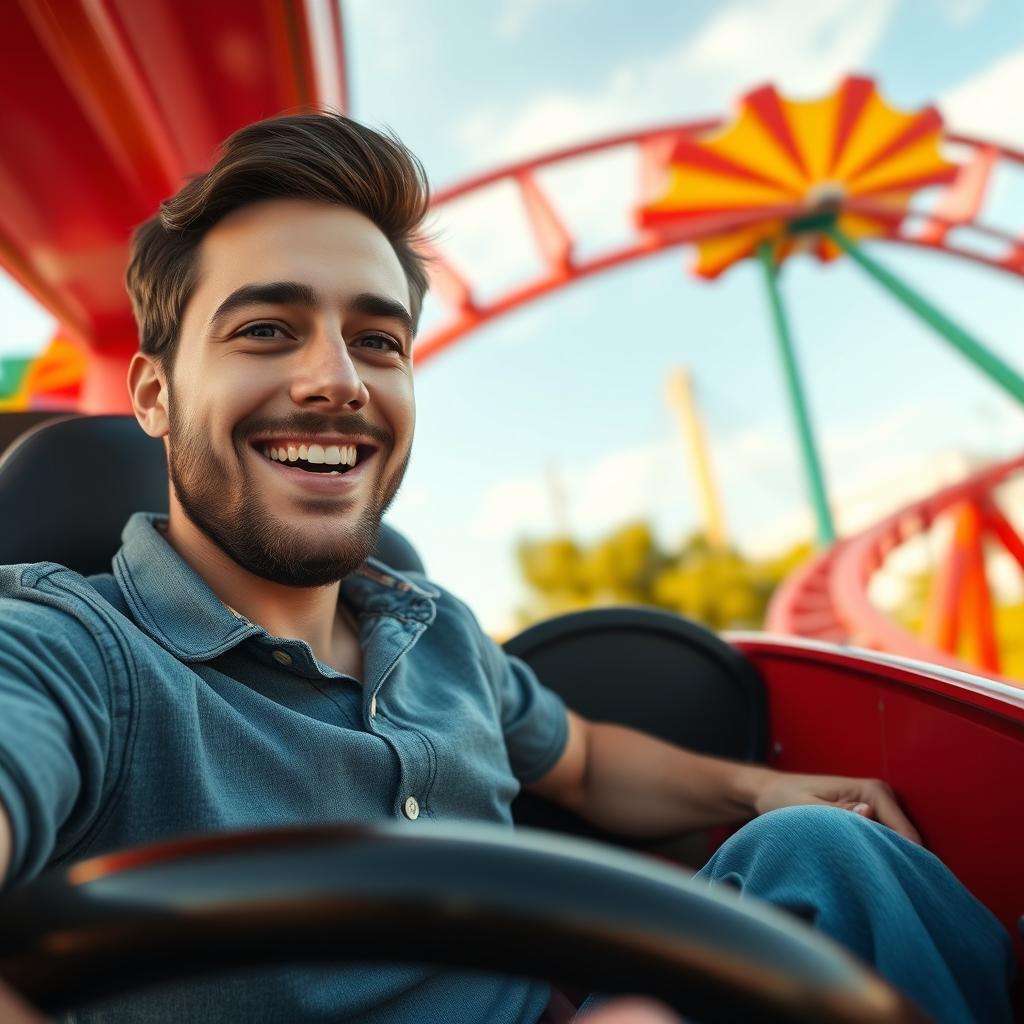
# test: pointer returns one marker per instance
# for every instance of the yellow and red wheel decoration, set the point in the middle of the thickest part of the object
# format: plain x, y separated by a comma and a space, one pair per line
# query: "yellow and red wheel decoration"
779, 161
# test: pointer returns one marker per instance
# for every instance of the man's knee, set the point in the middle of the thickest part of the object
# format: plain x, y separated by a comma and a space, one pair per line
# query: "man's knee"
797, 836
810, 824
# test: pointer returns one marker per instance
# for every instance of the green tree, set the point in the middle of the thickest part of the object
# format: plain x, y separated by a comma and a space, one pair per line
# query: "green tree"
719, 588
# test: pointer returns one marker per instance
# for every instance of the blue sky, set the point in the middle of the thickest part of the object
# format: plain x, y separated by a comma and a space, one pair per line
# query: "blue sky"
576, 382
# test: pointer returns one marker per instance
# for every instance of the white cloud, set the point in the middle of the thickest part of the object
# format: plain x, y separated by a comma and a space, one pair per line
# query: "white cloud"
962, 12
515, 15
394, 36
804, 48
990, 104
759, 475
600, 495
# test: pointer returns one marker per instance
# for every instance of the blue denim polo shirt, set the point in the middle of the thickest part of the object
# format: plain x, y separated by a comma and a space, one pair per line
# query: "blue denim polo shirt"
136, 706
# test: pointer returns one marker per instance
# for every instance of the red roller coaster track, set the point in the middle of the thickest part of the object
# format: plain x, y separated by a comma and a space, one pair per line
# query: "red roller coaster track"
827, 599
959, 207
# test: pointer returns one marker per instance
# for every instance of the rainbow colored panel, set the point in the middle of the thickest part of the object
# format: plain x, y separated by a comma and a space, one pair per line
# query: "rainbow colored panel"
52, 380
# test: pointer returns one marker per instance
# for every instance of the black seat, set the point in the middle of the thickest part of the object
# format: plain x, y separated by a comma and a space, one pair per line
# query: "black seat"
656, 672
67, 487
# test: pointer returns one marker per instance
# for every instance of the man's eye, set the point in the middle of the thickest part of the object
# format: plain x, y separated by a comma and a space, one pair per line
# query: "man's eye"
382, 342
264, 332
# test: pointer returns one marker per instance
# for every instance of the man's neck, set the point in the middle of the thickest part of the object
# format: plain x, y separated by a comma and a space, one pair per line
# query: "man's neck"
296, 613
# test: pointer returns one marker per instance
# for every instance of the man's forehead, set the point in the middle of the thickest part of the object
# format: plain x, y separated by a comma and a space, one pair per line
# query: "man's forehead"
335, 250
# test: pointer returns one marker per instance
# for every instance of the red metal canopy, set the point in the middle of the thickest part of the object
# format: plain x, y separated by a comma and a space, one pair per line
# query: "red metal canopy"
108, 106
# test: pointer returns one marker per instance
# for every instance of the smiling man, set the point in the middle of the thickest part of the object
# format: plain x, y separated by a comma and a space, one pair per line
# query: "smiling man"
285, 446
247, 663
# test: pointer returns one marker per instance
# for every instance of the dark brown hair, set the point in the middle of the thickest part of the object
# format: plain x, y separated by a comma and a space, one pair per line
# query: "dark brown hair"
319, 156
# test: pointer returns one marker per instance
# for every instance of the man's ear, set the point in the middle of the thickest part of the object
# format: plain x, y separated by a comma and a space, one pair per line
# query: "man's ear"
147, 386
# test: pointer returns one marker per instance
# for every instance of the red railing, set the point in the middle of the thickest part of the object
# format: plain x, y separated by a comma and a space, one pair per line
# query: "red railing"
960, 610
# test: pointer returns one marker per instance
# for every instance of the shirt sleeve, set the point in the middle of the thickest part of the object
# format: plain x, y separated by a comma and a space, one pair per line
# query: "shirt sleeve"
533, 718
55, 719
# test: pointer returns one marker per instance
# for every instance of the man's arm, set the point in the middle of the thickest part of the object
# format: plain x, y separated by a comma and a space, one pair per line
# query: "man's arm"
56, 719
634, 784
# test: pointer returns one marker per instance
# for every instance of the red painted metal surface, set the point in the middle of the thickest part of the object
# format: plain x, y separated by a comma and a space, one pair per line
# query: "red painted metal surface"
950, 744
108, 106
835, 583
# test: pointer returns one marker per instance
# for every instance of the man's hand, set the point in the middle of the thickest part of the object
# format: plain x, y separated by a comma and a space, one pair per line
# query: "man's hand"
868, 797
14, 1011
631, 1011
634, 784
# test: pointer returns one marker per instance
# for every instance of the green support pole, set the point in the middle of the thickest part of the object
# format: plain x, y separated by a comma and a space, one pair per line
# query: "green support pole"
12, 372
988, 362
812, 466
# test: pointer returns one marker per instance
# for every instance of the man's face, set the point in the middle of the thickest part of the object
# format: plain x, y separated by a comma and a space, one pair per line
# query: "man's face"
295, 351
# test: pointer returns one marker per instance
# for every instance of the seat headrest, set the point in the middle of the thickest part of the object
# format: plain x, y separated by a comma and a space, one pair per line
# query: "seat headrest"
68, 486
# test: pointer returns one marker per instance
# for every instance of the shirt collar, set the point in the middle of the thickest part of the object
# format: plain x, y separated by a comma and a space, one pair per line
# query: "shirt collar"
171, 602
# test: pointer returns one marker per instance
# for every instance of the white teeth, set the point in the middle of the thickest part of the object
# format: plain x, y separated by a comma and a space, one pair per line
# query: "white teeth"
330, 455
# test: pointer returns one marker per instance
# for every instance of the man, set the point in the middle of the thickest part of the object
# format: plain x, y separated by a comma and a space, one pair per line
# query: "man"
246, 665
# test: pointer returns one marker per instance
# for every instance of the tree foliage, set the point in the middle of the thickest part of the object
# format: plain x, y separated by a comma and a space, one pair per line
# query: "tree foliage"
720, 588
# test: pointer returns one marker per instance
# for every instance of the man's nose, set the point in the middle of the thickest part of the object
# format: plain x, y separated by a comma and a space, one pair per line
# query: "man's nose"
327, 376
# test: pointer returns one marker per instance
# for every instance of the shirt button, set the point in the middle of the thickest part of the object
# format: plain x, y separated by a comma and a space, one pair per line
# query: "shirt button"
282, 657
411, 807
373, 706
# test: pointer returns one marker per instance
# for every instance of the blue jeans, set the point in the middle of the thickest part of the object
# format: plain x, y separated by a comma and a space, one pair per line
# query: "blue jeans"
893, 904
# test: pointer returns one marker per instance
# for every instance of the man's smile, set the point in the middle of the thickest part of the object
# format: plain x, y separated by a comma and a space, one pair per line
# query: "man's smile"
322, 478
317, 453
324, 468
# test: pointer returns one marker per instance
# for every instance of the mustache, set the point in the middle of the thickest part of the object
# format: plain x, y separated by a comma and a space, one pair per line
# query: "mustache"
315, 423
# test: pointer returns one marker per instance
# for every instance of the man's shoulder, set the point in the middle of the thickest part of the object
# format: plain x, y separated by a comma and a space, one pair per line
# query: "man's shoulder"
45, 590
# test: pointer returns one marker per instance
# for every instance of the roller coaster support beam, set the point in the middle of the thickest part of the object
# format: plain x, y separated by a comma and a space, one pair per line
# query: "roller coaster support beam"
679, 391
986, 361
960, 612
808, 449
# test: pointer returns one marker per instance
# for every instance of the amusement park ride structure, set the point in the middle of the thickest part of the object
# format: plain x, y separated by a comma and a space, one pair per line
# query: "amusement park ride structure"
143, 92
142, 104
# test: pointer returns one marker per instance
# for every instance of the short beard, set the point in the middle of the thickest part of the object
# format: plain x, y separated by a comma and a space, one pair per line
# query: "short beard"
241, 527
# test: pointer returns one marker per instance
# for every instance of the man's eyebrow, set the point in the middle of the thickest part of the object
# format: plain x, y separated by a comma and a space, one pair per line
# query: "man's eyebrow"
274, 293
370, 304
